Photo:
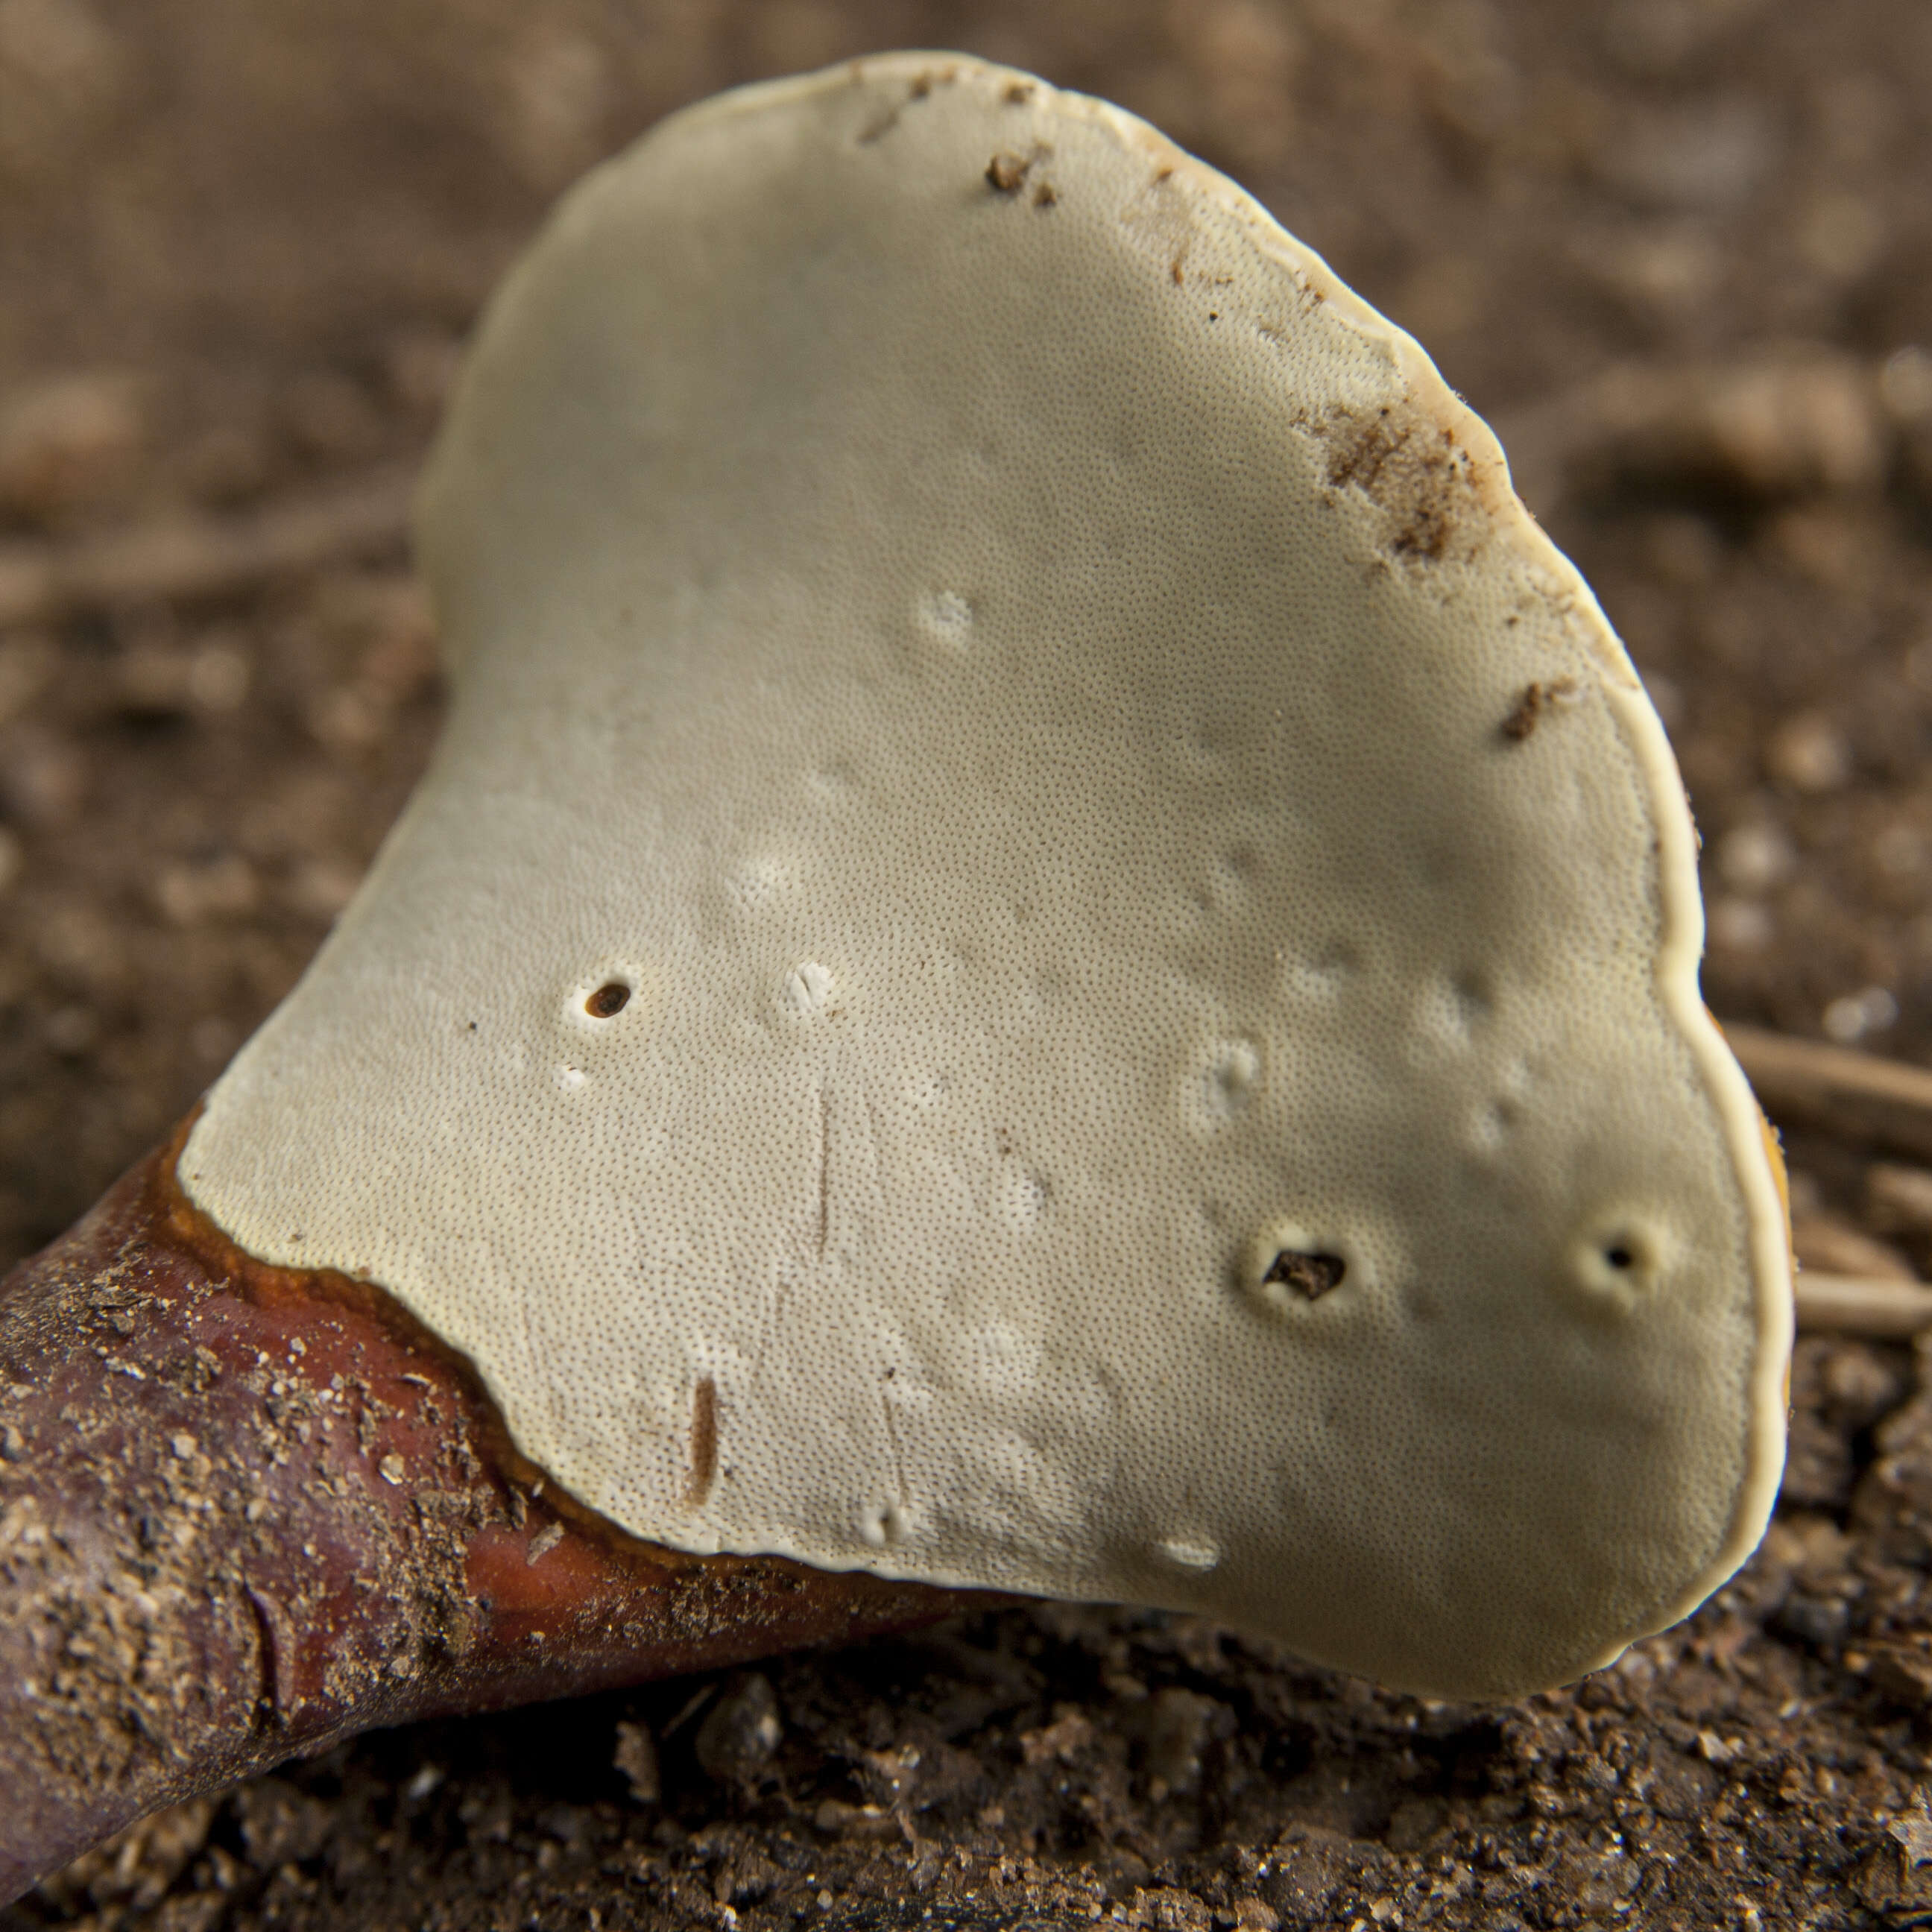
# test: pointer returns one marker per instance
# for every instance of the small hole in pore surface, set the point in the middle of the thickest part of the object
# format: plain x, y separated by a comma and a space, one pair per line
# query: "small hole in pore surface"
1619, 1256
609, 1000
1310, 1276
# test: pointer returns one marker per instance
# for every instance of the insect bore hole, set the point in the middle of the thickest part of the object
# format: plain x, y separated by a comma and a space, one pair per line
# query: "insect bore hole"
1620, 1257
609, 1000
1310, 1276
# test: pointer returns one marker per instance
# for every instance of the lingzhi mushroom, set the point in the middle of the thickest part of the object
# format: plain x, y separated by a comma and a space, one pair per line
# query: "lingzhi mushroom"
1050, 950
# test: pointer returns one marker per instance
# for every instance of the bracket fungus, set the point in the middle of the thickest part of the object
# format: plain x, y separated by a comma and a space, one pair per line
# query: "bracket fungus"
1051, 949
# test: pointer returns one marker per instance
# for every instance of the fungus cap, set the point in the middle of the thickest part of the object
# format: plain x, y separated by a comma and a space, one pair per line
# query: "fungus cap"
1050, 946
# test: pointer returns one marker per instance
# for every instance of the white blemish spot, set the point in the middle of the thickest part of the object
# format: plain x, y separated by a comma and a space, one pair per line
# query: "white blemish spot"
569, 1078
1024, 1195
1233, 1072
1450, 1009
808, 989
760, 883
883, 1525
946, 615
1000, 1363
1189, 1552
1324, 976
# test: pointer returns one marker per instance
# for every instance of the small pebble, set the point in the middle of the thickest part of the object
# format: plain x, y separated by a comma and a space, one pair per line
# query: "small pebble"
636, 1757
741, 1731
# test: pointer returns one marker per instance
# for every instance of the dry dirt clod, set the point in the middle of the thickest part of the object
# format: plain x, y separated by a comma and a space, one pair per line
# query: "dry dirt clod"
636, 1756
742, 1731
1175, 1727
280, 1825
1005, 172
69, 444
136, 1868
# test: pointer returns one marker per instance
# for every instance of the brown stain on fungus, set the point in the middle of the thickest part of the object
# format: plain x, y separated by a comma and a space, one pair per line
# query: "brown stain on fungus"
703, 1441
1416, 471
1537, 699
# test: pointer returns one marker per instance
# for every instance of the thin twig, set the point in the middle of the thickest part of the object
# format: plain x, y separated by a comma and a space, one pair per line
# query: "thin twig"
1898, 1199
1877, 1309
1859, 1096
1863, 1099
205, 556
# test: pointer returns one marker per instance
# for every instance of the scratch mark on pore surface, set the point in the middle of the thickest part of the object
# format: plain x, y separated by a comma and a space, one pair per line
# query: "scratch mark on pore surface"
703, 1441
883, 125
899, 1451
824, 1169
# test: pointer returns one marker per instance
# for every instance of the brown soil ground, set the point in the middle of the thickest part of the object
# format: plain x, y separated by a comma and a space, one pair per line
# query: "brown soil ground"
1679, 250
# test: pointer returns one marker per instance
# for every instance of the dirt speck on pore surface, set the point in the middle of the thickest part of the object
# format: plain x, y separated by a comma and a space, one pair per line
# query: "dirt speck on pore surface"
1413, 470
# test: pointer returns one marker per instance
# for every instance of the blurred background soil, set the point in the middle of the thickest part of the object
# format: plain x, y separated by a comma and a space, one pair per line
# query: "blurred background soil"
1678, 251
